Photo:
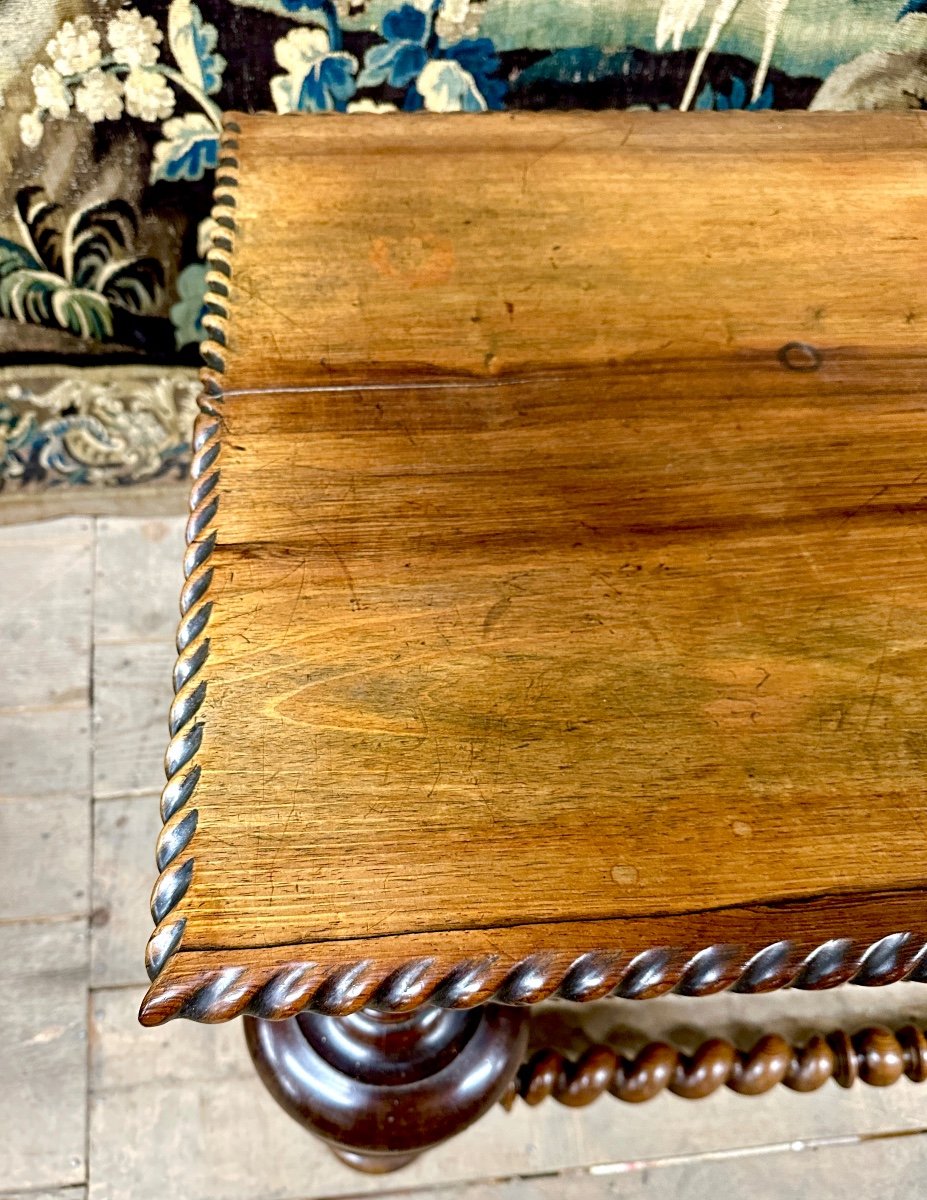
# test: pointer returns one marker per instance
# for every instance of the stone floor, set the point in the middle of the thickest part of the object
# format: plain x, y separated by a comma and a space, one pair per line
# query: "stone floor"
92, 1107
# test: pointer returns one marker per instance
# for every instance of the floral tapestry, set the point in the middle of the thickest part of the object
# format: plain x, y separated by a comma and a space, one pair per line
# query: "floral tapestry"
109, 128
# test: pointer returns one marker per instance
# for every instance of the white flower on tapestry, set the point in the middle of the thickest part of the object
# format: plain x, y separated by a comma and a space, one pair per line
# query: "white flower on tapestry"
370, 106
51, 92
132, 79
31, 128
446, 87
317, 79
148, 95
99, 98
135, 39
457, 19
75, 48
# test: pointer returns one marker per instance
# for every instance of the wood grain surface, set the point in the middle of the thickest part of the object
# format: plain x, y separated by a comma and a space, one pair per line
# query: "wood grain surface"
570, 559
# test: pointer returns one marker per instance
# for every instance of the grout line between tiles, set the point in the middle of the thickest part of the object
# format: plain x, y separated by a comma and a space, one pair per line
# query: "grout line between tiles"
71, 706
134, 641
44, 919
91, 896
138, 986
114, 797
42, 1190
48, 797
129, 794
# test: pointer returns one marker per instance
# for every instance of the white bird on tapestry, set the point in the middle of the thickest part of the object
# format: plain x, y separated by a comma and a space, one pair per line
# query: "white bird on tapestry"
678, 17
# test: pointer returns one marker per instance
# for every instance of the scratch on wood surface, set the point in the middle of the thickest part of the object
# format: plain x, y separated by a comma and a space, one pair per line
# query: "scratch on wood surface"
496, 613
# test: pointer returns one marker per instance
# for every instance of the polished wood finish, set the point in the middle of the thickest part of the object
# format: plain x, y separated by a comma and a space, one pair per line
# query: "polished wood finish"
380, 1088
375, 250
557, 614
874, 1055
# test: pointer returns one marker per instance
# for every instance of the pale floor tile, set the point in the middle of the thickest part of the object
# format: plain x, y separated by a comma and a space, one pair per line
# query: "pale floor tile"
125, 831
138, 579
882, 1169
180, 1109
45, 612
879, 1169
68, 1193
45, 607
132, 697
43, 1035
44, 753
136, 611
45, 858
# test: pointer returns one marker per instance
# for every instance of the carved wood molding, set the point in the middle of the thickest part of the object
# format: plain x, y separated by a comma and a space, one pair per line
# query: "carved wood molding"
874, 1055
201, 992
177, 812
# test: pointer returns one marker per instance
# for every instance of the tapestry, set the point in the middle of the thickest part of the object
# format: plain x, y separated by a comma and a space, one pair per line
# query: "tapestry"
109, 132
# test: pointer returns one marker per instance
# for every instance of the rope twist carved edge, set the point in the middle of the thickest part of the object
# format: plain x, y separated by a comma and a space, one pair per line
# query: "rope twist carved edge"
179, 815
276, 992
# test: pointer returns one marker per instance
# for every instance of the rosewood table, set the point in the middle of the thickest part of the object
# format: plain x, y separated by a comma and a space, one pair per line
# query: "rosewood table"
556, 609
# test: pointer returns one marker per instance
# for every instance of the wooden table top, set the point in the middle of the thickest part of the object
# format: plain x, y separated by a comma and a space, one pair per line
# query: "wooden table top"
556, 613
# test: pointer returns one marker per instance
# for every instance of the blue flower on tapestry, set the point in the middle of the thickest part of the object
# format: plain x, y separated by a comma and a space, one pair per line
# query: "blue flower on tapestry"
460, 80
478, 58
736, 100
399, 59
317, 79
912, 6
193, 43
190, 148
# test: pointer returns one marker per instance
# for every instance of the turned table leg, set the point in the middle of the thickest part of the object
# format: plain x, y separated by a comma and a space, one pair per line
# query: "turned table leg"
380, 1088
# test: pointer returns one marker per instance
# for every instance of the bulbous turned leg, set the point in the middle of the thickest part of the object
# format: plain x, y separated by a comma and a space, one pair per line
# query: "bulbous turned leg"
380, 1088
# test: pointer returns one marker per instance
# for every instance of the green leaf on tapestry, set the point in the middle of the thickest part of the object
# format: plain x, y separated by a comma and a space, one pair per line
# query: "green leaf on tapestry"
580, 64
72, 271
14, 257
93, 237
193, 44
133, 283
38, 297
36, 217
187, 314
190, 148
